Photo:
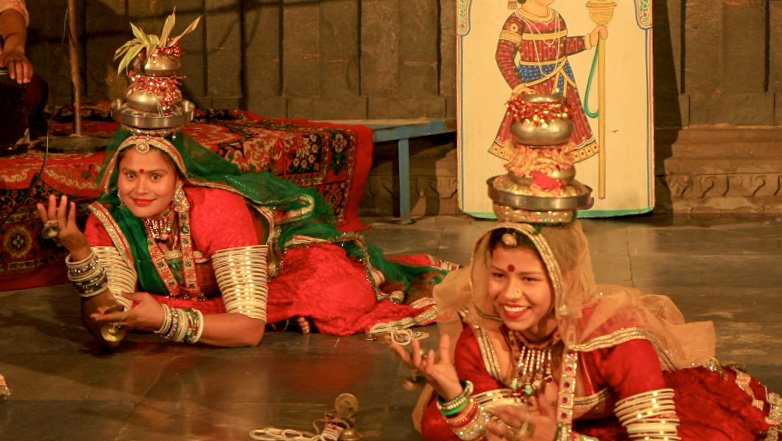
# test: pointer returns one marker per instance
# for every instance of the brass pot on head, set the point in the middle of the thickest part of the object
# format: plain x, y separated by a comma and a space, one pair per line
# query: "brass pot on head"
553, 130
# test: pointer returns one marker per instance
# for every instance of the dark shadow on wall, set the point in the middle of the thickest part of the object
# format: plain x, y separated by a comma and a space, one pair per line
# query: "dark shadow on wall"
433, 181
104, 31
668, 115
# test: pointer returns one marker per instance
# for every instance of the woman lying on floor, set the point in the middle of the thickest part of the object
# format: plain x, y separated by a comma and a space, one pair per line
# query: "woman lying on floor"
548, 355
185, 245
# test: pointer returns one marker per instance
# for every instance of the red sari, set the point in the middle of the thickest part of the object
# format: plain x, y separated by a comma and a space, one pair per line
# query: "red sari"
317, 280
716, 406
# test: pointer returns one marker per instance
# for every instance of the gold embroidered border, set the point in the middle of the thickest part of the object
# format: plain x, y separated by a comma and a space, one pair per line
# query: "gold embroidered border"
113, 230
774, 416
625, 335
488, 354
742, 381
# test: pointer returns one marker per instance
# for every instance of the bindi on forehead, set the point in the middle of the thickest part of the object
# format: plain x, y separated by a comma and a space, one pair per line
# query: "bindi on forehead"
141, 171
511, 268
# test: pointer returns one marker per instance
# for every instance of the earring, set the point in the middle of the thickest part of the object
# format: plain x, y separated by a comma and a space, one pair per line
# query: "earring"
121, 202
181, 204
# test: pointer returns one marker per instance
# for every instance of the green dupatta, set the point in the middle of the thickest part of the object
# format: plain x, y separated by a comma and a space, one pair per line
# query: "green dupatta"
306, 212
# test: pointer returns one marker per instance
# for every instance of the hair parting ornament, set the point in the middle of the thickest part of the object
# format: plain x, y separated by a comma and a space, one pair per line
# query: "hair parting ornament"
509, 240
142, 146
142, 143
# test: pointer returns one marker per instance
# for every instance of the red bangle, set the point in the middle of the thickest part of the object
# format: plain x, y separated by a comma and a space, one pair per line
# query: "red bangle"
471, 413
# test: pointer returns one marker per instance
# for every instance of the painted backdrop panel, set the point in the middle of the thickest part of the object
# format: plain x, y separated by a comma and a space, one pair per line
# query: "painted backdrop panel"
551, 54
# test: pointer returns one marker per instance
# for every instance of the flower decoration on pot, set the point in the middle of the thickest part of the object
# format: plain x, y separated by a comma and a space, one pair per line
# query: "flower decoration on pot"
152, 64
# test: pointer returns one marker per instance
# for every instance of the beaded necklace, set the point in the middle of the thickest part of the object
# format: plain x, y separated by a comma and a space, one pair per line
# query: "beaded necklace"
191, 287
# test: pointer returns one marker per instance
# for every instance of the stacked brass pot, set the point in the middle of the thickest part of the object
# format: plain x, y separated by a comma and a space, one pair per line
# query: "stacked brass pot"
545, 191
153, 100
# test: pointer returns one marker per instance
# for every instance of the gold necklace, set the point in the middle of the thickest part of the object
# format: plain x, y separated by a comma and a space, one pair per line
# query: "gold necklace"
533, 370
162, 227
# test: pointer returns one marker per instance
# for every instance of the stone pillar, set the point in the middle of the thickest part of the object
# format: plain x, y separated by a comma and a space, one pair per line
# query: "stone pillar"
775, 56
333, 63
726, 62
222, 23
262, 53
380, 30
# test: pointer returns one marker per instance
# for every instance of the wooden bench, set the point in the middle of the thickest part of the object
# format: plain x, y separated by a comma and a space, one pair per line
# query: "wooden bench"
402, 130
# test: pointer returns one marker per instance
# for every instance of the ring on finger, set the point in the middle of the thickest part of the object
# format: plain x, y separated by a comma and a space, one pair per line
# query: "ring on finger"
51, 229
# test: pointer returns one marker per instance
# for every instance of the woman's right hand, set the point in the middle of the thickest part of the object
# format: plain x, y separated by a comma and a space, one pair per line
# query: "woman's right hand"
437, 368
145, 313
61, 218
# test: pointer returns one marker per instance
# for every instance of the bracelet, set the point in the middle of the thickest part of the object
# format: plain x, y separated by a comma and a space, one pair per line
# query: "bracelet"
166, 326
475, 428
82, 268
470, 413
459, 401
195, 326
241, 276
87, 275
181, 325
174, 328
456, 410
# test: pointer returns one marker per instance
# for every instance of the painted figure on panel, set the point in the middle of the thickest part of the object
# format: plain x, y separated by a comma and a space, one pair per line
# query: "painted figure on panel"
532, 55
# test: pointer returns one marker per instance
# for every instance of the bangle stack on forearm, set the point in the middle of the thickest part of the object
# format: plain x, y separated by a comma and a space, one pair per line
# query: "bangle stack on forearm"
241, 276
121, 275
181, 325
87, 275
464, 415
649, 415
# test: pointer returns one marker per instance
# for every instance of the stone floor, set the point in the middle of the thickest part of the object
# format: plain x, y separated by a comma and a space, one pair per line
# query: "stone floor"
725, 269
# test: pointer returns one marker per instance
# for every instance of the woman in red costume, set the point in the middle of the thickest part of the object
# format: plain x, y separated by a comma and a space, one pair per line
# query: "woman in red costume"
549, 355
185, 245
532, 54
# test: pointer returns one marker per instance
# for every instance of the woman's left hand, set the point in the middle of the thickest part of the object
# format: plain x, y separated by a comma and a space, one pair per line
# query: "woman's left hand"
146, 313
436, 367
599, 32
517, 423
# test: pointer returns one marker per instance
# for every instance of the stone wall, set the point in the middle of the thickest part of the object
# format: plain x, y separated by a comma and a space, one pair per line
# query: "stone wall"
717, 64
718, 79
330, 59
